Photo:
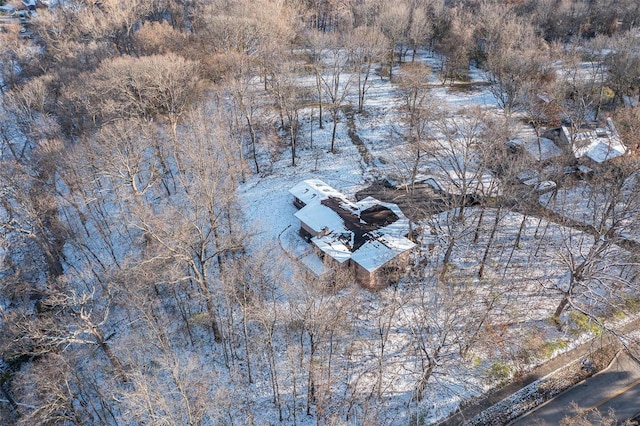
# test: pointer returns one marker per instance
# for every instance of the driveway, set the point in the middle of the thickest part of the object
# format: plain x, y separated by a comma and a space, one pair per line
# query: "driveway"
617, 388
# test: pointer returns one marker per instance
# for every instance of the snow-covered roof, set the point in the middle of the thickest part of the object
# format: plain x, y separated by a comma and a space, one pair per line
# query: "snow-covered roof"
455, 182
369, 202
333, 246
430, 180
375, 253
599, 145
541, 149
318, 216
370, 232
314, 190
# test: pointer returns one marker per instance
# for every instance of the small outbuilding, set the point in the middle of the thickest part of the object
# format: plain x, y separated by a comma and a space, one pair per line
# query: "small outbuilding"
590, 146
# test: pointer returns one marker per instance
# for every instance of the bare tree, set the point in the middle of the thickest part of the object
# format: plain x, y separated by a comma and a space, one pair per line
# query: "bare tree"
599, 272
127, 87
158, 38
198, 230
15, 59
420, 28
333, 83
239, 84
50, 392
288, 98
513, 56
366, 47
587, 417
623, 67
393, 21
318, 47
321, 314
446, 320
419, 110
64, 319
455, 45
457, 159
29, 210
118, 22
580, 90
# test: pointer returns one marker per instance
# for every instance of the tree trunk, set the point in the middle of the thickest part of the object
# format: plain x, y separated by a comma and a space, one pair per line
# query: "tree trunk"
245, 332
485, 256
362, 87
319, 87
476, 235
560, 309
422, 383
416, 164
252, 134
311, 386
516, 244
360, 94
293, 144
115, 362
333, 132
217, 336
447, 257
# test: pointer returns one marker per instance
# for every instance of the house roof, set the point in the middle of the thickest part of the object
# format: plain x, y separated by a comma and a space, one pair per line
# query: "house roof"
599, 145
319, 216
314, 189
376, 252
541, 149
333, 246
458, 182
370, 232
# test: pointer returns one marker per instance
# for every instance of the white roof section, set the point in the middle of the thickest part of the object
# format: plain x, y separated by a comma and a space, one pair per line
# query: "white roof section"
599, 145
467, 183
541, 149
317, 216
331, 245
601, 151
377, 252
431, 180
369, 202
311, 190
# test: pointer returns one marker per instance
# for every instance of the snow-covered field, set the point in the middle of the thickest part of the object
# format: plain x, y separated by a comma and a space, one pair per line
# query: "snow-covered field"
521, 278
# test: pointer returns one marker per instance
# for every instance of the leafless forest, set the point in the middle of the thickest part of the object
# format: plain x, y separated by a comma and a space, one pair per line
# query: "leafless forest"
134, 289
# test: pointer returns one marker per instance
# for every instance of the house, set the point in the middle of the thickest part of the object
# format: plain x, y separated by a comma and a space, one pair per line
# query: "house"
537, 149
30, 5
466, 183
311, 190
368, 237
590, 146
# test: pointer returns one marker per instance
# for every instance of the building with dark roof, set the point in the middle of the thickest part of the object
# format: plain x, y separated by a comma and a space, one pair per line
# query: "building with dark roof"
368, 237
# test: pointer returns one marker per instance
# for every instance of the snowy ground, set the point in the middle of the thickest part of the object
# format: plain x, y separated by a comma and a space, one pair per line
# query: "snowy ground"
531, 269
376, 345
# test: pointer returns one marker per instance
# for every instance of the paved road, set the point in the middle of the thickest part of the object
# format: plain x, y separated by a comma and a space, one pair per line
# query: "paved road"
617, 387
